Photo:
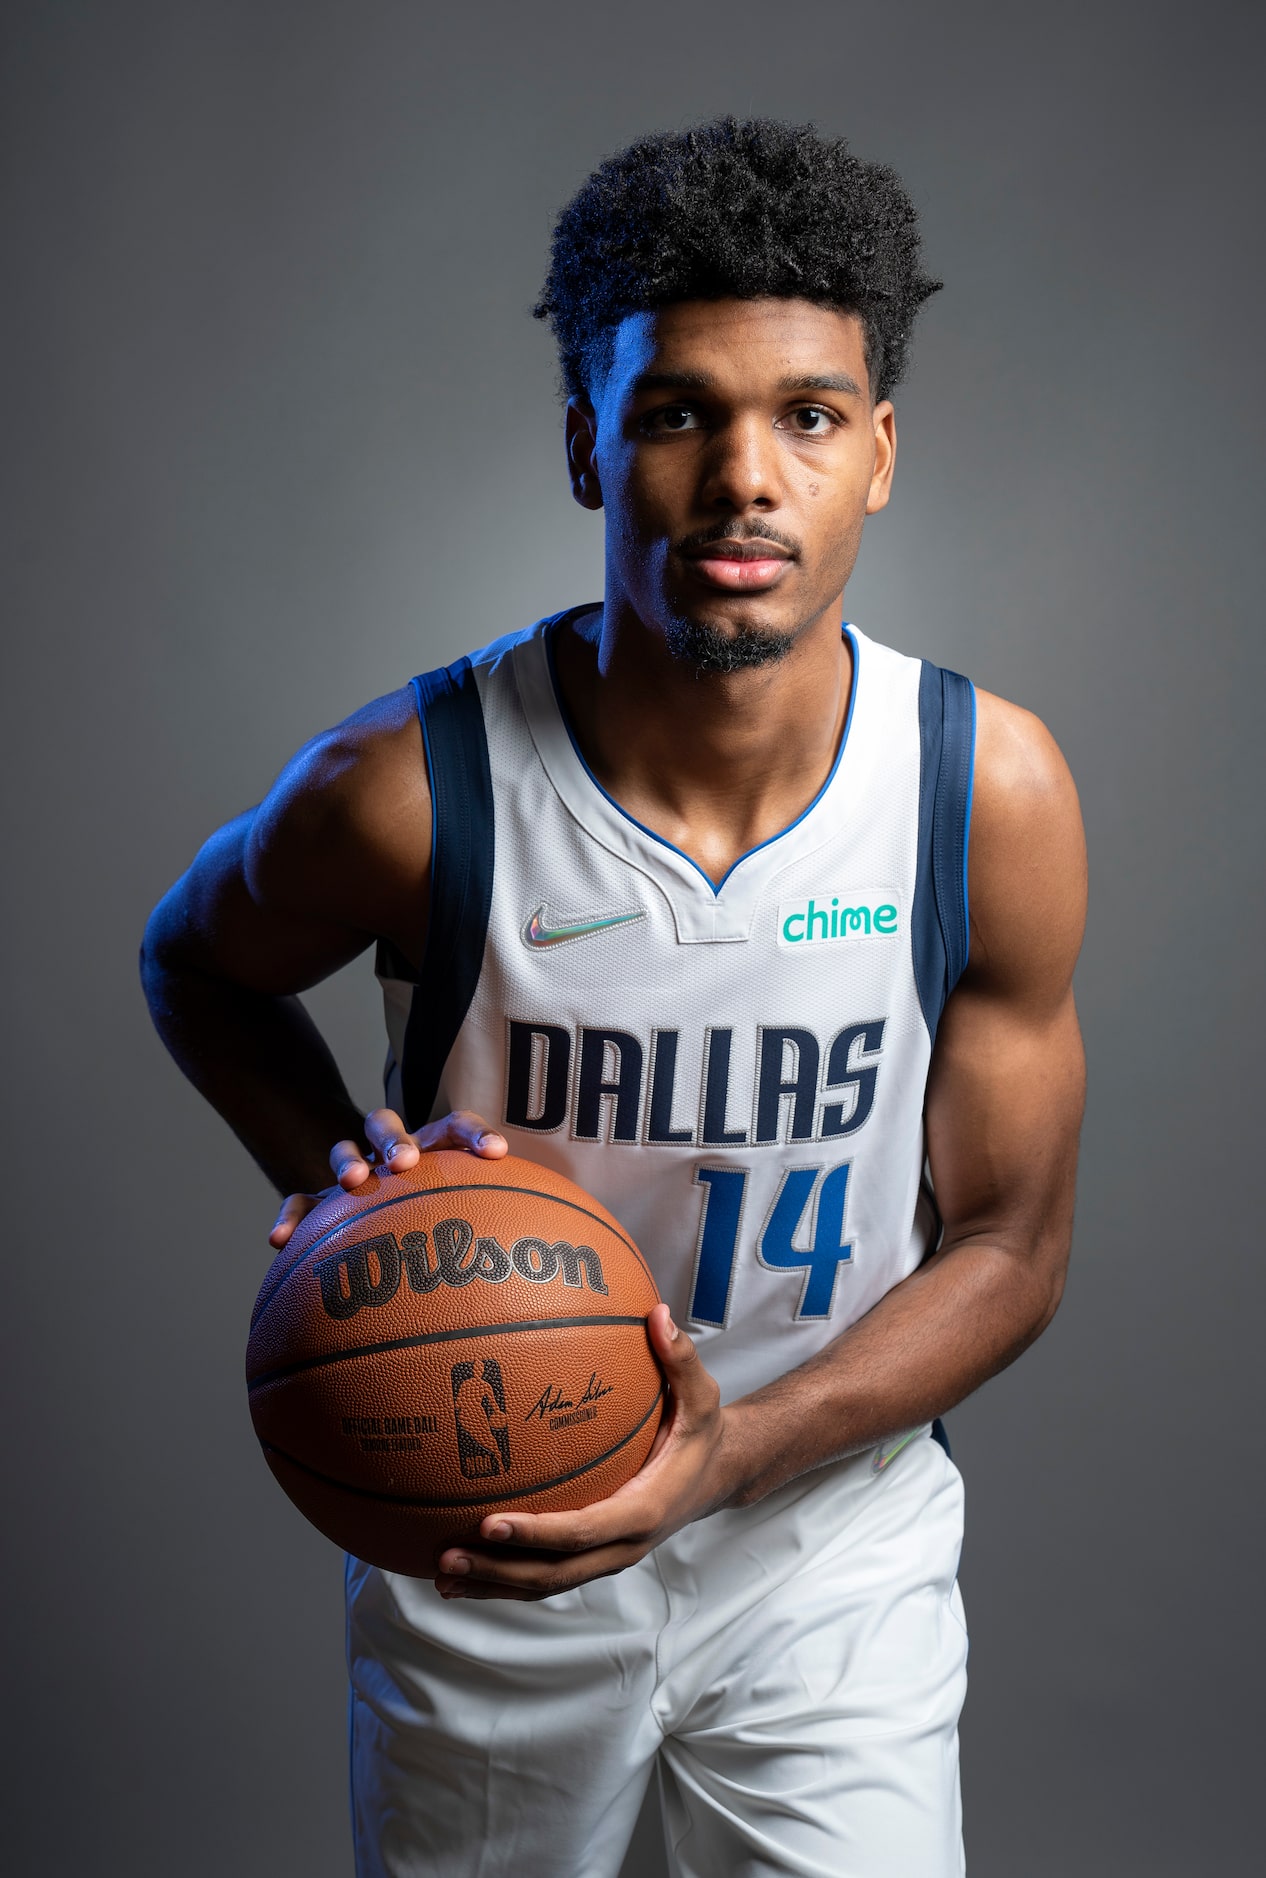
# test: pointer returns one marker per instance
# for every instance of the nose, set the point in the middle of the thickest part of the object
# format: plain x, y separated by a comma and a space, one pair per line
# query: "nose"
741, 467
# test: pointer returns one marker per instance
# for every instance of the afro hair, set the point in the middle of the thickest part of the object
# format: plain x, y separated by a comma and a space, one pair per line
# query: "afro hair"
737, 210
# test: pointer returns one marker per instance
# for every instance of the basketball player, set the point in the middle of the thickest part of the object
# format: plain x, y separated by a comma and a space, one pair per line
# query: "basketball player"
674, 892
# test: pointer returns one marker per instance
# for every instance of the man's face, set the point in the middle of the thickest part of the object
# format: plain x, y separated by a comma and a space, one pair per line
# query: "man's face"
736, 452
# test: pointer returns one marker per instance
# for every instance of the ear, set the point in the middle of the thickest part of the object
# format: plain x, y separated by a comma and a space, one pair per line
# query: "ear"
885, 422
581, 426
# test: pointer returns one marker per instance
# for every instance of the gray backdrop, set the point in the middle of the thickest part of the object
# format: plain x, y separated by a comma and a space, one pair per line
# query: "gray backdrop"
279, 432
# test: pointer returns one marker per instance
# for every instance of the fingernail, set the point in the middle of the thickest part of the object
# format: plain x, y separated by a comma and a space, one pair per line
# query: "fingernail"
393, 1150
673, 1331
454, 1591
460, 1566
485, 1141
501, 1531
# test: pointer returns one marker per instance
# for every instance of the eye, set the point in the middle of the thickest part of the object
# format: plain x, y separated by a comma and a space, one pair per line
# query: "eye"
810, 420
671, 417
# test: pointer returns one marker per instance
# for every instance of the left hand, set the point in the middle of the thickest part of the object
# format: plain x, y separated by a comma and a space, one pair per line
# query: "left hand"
688, 1474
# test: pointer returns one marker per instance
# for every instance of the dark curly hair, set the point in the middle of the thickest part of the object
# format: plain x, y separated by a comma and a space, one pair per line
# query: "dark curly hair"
734, 209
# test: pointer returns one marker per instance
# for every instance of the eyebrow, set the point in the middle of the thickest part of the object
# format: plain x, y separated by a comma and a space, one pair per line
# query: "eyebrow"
671, 381
823, 381
700, 381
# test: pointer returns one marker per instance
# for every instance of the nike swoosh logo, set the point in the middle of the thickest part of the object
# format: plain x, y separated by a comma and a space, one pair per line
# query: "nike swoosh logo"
889, 1450
538, 934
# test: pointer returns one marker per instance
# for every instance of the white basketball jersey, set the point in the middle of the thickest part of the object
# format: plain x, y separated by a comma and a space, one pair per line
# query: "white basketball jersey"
737, 1070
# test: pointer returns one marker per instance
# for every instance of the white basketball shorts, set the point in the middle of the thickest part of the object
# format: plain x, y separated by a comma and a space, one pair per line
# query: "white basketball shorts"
793, 1670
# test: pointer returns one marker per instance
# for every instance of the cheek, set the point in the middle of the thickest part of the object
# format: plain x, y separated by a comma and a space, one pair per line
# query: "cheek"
640, 505
834, 496
653, 480
832, 533
829, 507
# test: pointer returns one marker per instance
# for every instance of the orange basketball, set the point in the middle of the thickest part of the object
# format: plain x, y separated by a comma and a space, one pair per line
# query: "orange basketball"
442, 1343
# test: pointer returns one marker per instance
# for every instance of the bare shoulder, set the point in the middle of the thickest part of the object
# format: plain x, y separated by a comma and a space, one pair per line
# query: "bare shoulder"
345, 831
1027, 853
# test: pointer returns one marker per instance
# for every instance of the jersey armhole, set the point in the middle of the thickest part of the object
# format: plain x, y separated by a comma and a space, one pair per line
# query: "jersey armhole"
940, 928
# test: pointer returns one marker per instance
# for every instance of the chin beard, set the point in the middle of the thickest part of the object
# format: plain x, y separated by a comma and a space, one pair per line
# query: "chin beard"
710, 650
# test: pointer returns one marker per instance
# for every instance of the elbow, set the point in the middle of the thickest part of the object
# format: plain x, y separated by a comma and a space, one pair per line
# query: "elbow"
159, 945
151, 948
1048, 1294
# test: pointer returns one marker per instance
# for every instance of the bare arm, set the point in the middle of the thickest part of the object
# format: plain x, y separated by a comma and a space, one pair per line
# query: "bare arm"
1003, 1112
334, 857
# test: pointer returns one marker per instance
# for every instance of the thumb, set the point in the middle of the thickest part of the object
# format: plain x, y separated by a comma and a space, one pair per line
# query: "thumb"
296, 1207
692, 1386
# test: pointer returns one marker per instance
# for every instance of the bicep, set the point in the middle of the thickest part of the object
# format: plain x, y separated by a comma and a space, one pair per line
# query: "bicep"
212, 922
1003, 1115
335, 856
1006, 1087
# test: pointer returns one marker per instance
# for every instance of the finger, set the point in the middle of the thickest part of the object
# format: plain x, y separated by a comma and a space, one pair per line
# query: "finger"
349, 1166
464, 1129
629, 1516
482, 1593
293, 1208
387, 1135
488, 1575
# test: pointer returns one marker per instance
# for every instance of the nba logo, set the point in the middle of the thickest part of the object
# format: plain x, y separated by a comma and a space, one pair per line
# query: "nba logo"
479, 1410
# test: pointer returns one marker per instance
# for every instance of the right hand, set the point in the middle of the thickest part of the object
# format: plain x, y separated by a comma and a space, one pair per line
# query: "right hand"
394, 1148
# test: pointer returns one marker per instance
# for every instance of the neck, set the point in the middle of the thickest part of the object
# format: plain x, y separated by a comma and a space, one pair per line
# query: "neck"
718, 762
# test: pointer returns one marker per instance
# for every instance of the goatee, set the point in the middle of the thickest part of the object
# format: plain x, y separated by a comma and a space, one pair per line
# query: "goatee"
710, 650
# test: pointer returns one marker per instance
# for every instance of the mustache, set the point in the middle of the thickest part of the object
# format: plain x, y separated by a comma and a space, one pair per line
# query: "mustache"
736, 531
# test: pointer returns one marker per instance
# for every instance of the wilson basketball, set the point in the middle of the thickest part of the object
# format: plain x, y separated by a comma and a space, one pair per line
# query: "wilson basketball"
446, 1342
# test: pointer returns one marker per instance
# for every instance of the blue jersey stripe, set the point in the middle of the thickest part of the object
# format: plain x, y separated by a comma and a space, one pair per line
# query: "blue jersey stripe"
463, 840
939, 924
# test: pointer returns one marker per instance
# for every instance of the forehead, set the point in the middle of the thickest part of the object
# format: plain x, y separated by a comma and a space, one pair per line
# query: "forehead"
739, 342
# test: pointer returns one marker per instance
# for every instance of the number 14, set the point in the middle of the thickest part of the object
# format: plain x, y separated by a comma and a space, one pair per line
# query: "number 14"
723, 1193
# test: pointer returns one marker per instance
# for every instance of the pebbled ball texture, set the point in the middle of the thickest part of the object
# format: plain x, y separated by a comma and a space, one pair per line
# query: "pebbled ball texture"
444, 1343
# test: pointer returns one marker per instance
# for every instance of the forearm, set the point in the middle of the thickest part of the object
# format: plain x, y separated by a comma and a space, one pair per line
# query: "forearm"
937, 1336
262, 1063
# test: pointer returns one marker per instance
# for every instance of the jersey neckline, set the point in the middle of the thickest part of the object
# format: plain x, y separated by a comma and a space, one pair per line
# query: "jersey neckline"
716, 887
702, 911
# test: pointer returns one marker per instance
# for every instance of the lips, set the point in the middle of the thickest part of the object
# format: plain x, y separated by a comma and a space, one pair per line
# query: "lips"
740, 566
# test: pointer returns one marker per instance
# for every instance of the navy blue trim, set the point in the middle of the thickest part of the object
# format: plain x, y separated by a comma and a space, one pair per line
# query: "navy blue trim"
462, 854
940, 1437
939, 923
971, 791
716, 885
